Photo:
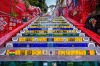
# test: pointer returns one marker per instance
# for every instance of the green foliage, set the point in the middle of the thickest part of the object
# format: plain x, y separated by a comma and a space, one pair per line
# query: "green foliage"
13, 14
39, 3
26, 4
33, 2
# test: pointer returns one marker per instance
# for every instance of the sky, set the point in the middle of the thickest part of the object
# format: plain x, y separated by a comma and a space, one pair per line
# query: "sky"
51, 2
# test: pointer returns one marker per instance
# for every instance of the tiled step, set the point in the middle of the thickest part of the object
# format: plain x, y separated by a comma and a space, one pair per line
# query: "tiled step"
53, 40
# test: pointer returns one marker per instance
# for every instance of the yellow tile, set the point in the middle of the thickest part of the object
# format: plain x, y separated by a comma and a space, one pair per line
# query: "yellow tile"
81, 39
66, 52
49, 31
68, 26
76, 52
7, 52
22, 39
26, 31
92, 52
61, 31
69, 52
74, 31
42, 39
76, 39
26, 52
22, 52
59, 52
58, 40
67, 31
29, 52
67, 39
84, 52
34, 52
62, 52
41, 31
39, 52
72, 52
80, 52
30, 39
17, 52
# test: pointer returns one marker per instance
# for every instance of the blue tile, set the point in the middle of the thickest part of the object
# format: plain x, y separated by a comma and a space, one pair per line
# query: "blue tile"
34, 28
22, 45
70, 45
16, 45
62, 28
50, 44
38, 45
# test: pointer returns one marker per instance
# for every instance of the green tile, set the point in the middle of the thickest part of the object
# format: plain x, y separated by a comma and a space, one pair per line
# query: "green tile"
70, 64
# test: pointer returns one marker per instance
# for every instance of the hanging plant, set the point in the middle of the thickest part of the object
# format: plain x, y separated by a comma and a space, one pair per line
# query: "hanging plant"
26, 4
13, 14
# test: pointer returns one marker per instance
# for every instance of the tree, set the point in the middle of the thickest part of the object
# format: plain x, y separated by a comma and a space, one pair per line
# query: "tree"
39, 3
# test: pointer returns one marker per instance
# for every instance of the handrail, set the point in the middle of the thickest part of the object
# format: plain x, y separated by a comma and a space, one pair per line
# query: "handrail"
74, 22
89, 33
12, 33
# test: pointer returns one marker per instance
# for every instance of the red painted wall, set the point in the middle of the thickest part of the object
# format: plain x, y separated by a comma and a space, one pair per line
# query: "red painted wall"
79, 11
9, 22
5, 6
